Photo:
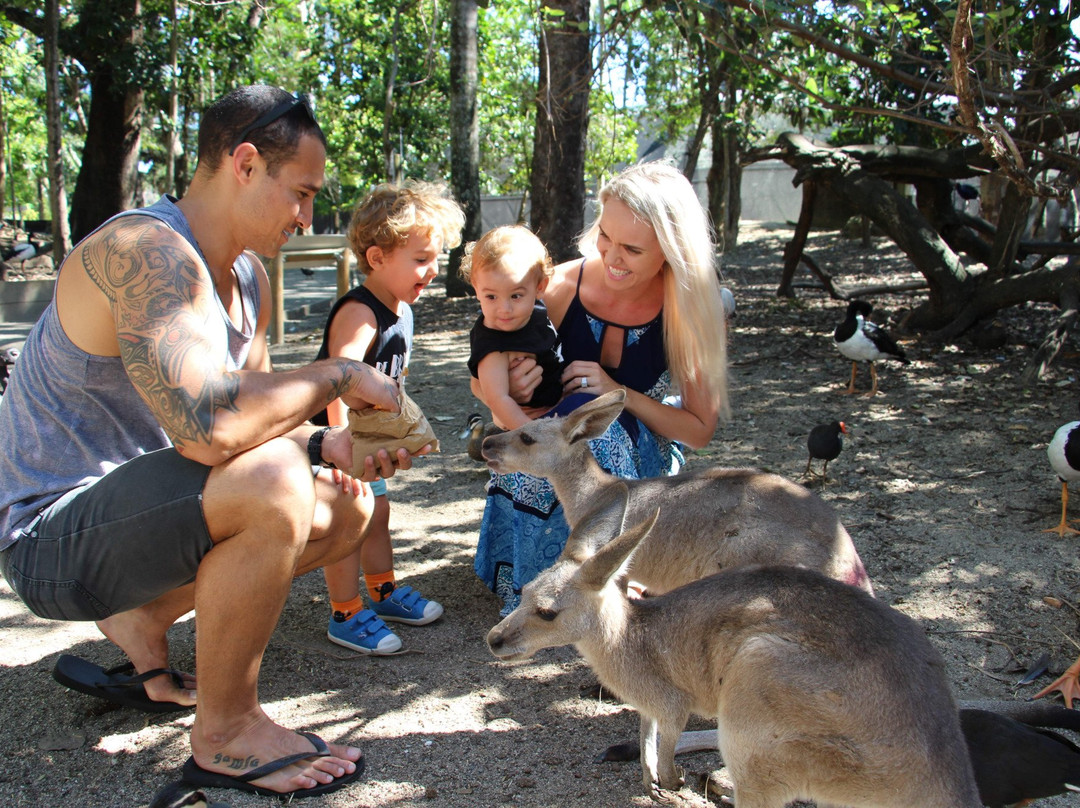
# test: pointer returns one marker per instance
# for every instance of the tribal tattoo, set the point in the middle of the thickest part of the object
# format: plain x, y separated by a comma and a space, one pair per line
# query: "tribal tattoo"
166, 328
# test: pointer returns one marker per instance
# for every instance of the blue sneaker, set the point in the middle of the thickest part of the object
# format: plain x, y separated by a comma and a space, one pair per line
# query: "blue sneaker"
363, 632
406, 605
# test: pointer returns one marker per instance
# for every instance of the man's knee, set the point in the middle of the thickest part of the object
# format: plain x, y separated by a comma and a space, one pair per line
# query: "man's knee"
272, 481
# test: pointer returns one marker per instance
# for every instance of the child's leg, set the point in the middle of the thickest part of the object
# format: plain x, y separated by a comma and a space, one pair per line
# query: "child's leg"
351, 625
398, 604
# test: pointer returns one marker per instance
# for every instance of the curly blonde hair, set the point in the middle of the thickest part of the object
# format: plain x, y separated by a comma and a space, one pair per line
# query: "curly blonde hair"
695, 329
387, 216
512, 247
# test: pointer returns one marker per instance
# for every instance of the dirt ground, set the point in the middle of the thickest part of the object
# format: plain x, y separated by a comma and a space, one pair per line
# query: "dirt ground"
943, 483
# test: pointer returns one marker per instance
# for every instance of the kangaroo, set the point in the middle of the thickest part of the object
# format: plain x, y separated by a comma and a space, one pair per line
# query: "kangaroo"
713, 519
1015, 756
820, 691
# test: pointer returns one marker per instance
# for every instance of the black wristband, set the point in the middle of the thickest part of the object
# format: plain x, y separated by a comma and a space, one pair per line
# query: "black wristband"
314, 447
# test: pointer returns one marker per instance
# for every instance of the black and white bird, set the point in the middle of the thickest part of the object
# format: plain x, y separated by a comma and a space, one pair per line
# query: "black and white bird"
1015, 762
862, 341
1064, 455
825, 443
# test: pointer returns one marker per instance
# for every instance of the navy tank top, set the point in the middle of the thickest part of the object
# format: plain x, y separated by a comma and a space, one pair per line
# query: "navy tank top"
643, 365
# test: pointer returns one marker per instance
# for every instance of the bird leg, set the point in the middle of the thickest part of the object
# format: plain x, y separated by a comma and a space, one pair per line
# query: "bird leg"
873, 385
1068, 684
851, 384
1063, 527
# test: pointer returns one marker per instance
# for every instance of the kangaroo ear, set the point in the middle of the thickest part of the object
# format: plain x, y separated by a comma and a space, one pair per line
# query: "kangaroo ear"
612, 559
591, 420
601, 524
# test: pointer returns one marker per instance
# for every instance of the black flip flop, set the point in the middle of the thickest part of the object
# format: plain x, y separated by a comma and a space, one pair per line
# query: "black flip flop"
120, 685
196, 775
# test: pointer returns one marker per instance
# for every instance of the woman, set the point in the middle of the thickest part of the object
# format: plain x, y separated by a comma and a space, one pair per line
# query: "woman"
641, 311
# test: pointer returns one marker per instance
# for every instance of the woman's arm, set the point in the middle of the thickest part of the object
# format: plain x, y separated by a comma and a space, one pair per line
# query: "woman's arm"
693, 424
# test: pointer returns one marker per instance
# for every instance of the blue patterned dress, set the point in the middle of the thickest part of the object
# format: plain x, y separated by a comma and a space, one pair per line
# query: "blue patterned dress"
523, 529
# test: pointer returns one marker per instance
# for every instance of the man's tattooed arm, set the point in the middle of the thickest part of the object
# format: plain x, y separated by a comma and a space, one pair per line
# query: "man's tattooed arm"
161, 303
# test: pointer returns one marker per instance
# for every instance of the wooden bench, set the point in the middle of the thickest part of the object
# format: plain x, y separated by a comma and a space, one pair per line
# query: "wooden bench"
300, 252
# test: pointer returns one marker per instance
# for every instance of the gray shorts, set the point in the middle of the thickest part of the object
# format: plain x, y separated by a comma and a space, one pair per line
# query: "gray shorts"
113, 545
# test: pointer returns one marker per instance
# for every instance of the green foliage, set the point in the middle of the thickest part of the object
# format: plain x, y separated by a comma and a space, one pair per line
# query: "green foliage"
660, 65
23, 86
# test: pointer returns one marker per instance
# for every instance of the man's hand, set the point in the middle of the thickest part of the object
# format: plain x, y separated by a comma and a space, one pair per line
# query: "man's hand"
385, 467
337, 447
370, 388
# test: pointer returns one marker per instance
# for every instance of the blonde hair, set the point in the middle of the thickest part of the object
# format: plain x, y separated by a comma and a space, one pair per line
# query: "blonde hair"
695, 331
387, 216
511, 246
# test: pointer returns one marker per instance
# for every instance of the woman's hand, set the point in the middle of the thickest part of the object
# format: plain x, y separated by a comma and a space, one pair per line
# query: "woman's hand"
525, 377
587, 377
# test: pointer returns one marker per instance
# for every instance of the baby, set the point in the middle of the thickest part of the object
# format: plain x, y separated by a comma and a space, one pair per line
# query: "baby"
508, 268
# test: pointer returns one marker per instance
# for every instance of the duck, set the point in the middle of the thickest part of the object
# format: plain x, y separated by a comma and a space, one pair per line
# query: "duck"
474, 432
825, 443
476, 429
1064, 455
862, 341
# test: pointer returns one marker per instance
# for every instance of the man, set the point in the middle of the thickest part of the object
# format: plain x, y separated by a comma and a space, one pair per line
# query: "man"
153, 463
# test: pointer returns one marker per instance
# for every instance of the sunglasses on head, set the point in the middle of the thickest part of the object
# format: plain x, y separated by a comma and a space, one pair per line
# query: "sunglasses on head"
280, 110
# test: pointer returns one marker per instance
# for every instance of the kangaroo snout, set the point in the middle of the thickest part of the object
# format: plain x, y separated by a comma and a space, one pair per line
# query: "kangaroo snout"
500, 641
490, 450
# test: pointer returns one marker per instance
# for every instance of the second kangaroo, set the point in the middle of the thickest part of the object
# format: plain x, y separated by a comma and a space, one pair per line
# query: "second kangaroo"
820, 691
710, 520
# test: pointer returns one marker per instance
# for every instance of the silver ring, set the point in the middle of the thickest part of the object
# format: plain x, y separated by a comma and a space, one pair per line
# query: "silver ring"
584, 382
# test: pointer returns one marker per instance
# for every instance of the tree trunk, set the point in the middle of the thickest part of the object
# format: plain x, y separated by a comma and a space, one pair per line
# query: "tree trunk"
725, 177
108, 177
562, 107
793, 250
3, 156
172, 141
464, 133
55, 159
392, 159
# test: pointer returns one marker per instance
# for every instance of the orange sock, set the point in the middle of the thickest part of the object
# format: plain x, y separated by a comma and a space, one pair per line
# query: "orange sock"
380, 585
349, 607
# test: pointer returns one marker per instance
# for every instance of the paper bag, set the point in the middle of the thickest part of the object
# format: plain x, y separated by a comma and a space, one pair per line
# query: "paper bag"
374, 429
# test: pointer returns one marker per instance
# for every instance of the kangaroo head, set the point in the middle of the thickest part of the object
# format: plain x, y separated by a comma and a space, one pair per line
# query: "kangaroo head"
541, 447
582, 596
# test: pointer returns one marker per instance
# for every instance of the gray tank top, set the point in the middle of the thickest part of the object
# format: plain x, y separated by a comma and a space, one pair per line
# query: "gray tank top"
68, 417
